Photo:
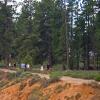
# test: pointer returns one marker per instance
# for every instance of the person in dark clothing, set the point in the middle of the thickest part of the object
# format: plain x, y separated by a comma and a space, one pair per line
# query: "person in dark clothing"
14, 64
25, 67
48, 66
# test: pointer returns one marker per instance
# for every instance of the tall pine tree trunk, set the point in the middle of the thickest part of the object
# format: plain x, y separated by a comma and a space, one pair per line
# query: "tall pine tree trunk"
66, 39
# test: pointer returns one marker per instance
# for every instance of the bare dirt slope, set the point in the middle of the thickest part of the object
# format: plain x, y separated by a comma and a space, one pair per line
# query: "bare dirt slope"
66, 88
62, 90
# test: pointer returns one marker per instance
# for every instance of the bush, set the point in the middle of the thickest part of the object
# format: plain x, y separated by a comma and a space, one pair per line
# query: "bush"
56, 74
34, 79
11, 76
22, 86
78, 96
67, 85
59, 88
54, 80
97, 78
46, 82
23, 74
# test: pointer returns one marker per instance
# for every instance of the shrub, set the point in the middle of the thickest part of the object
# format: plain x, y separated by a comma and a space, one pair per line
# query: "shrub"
22, 86
46, 82
97, 78
78, 96
67, 85
53, 80
11, 76
56, 74
24, 74
34, 79
59, 88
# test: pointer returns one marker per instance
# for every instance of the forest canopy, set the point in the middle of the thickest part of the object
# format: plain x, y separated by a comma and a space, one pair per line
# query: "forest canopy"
63, 32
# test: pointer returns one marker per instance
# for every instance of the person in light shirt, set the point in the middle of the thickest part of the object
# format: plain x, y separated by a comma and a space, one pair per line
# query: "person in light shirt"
9, 64
27, 66
42, 68
22, 65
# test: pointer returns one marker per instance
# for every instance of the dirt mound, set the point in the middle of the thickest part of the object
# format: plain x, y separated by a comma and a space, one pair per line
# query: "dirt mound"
31, 89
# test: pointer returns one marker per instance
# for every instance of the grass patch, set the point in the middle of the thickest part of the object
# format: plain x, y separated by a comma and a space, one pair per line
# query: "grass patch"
23, 74
19, 75
11, 76
77, 74
58, 67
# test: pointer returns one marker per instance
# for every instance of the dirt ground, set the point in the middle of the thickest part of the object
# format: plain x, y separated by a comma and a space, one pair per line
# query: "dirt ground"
66, 88
61, 90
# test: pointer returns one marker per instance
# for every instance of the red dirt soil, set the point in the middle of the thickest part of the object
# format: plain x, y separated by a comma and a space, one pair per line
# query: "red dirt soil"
61, 90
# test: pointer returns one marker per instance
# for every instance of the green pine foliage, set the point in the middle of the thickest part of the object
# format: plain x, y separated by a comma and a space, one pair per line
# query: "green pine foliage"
51, 31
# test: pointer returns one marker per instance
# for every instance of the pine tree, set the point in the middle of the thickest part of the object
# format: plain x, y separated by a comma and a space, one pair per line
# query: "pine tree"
6, 29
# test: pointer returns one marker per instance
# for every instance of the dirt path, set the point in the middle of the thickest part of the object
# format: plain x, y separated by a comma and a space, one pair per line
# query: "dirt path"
7, 70
12, 71
64, 78
42, 75
76, 80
